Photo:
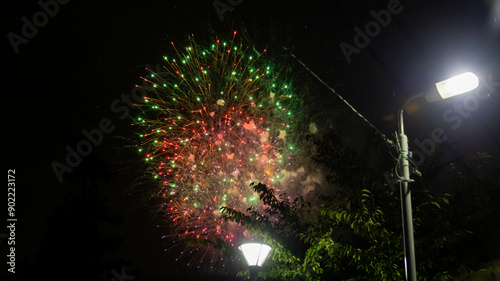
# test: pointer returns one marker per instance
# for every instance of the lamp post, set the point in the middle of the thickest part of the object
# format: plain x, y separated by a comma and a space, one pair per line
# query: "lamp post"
445, 89
255, 255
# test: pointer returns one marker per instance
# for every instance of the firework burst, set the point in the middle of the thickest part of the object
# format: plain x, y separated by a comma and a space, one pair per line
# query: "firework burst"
215, 120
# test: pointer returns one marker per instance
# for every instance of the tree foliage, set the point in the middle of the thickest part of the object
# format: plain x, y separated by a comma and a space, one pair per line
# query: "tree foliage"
356, 233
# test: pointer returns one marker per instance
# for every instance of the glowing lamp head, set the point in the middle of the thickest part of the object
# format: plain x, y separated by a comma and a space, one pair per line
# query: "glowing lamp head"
457, 85
255, 253
454, 86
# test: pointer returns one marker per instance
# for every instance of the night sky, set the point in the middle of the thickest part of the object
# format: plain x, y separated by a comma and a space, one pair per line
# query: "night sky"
62, 78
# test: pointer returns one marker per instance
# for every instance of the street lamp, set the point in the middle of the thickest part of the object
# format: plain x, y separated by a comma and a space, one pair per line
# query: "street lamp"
255, 255
457, 85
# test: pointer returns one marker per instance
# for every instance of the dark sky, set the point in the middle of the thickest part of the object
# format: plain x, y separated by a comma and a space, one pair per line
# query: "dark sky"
86, 54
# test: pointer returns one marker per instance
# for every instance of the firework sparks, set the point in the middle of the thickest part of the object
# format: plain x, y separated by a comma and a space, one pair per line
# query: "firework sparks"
216, 120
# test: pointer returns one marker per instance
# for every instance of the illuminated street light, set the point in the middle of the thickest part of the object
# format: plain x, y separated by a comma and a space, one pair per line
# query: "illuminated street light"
451, 87
457, 85
255, 255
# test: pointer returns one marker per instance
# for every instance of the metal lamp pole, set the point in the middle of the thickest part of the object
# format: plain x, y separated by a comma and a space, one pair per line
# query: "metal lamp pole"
405, 194
454, 86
